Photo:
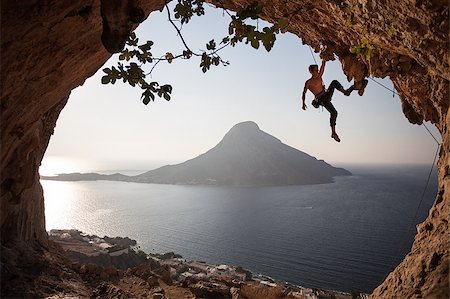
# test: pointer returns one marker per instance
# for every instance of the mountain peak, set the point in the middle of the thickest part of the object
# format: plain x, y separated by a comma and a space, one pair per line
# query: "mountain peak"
244, 129
246, 156
246, 126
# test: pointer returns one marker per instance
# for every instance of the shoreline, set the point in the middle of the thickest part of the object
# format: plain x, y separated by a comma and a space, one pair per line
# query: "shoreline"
115, 260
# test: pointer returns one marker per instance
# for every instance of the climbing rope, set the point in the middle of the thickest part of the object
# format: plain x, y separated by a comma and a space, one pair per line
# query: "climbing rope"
402, 247
394, 92
315, 62
384, 86
431, 134
391, 90
312, 54
421, 196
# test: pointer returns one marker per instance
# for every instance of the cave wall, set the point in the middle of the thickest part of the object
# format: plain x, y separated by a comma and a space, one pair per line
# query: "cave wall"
50, 47
47, 49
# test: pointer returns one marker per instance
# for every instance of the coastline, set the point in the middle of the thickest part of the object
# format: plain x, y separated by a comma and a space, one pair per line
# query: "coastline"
118, 265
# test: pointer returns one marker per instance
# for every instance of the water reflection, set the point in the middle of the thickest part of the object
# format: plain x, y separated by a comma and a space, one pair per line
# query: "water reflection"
59, 198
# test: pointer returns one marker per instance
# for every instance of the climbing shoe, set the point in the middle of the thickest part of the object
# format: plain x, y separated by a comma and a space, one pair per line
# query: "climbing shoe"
361, 90
336, 137
349, 90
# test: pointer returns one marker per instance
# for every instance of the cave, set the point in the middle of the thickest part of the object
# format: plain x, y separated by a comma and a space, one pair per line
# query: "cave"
49, 48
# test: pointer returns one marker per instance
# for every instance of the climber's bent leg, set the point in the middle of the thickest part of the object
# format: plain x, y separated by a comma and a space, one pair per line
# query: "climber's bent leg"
333, 116
335, 85
333, 112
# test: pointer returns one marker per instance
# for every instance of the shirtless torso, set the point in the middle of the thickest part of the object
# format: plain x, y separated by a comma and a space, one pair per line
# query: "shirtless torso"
323, 97
315, 85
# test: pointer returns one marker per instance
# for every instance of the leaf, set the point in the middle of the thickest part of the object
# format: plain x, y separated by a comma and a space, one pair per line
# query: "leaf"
166, 96
255, 43
167, 88
268, 38
147, 96
211, 45
126, 55
146, 47
187, 54
145, 99
364, 42
283, 24
169, 57
153, 86
111, 75
105, 79
183, 11
132, 40
392, 31
230, 28
216, 60
135, 74
368, 55
205, 63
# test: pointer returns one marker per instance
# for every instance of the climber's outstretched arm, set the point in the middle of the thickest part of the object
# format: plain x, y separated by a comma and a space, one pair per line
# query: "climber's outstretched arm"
305, 89
322, 67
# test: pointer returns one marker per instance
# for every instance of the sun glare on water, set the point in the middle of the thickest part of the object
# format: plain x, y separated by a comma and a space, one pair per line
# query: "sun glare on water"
60, 198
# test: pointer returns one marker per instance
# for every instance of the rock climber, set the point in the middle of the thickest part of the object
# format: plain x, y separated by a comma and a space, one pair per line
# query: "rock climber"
322, 96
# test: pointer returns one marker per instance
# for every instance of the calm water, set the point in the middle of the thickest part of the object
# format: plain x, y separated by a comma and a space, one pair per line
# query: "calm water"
339, 236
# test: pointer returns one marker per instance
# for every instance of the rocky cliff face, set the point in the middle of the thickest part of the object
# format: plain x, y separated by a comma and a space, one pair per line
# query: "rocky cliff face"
50, 47
47, 49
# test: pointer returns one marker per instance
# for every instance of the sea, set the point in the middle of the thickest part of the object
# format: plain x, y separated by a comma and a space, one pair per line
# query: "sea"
342, 236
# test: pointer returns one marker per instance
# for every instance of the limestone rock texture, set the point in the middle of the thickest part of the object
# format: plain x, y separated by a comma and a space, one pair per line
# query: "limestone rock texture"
47, 49
50, 47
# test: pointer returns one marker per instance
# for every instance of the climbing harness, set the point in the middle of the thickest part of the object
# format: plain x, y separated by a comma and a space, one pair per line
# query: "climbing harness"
421, 196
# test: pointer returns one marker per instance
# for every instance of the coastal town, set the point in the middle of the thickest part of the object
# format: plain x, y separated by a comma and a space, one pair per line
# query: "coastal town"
117, 268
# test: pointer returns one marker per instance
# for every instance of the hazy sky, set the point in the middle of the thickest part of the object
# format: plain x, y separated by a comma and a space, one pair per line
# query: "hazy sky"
105, 127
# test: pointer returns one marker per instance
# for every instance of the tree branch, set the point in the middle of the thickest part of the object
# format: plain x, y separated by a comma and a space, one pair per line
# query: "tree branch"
179, 31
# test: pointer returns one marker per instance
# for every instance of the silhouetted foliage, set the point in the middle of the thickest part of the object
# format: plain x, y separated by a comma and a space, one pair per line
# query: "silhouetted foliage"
135, 55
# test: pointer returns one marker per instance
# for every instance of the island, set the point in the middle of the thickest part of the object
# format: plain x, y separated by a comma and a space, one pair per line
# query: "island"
246, 156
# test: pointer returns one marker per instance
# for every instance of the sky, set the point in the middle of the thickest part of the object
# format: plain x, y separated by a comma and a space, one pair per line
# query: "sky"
107, 127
